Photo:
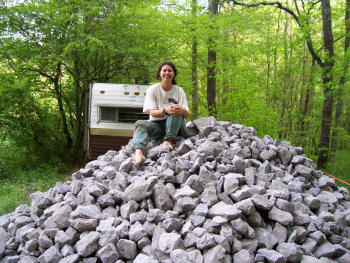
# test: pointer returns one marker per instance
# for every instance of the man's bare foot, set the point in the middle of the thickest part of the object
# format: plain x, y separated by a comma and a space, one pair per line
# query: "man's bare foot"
139, 157
170, 144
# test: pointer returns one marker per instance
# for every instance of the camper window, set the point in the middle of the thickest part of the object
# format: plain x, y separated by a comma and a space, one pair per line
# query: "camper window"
109, 114
129, 115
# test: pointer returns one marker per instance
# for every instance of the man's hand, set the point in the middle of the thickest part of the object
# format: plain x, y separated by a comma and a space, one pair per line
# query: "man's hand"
174, 109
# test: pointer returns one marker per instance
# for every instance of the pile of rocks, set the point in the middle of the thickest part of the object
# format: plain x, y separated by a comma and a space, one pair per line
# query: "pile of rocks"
222, 195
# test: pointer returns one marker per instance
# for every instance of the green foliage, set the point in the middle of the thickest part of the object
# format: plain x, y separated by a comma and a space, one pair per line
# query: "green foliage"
17, 184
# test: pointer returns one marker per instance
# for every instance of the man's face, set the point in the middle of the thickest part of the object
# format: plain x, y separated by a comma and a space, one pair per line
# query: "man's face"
167, 73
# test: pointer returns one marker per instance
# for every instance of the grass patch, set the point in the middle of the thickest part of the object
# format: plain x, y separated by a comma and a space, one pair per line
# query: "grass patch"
340, 168
16, 186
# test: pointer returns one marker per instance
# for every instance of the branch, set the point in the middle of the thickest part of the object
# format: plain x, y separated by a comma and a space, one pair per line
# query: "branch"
296, 18
277, 4
296, 7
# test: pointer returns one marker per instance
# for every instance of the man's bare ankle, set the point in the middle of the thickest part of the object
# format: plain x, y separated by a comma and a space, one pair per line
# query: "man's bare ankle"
170, 144
139, 157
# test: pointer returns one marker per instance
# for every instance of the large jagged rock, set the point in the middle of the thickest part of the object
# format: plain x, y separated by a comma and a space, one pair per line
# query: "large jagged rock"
222, 195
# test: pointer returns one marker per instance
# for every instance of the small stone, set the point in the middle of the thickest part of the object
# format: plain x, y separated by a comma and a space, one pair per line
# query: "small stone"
291, 251
169, 242
108, 253
243, 256
52, 255
88, 244
127, 249
272, 255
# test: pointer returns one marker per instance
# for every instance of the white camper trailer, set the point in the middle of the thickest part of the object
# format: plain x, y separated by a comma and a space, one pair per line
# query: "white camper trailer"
112, 112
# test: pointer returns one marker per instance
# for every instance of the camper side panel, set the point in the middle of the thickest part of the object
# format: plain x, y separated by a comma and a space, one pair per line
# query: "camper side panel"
102, 143
107, 135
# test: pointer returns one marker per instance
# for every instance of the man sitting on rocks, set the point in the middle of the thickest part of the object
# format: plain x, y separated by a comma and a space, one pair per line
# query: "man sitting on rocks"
167, 107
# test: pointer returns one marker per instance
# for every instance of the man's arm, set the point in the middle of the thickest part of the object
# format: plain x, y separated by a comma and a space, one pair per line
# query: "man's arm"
174, 109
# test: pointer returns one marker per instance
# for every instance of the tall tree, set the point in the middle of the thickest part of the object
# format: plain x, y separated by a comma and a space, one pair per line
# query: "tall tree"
211, 68
338, 123
326, 64
194, 67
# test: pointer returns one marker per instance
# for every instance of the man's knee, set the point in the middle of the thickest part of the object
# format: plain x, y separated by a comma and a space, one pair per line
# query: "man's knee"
140, 123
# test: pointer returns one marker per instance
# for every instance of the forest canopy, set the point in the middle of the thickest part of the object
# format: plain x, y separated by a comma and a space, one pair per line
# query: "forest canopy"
278, 66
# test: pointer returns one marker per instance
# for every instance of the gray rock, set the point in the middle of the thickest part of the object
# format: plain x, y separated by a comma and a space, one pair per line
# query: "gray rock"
28, 259
185, 191
280, 216
136, 232
106, 200
205, 125
67, 250
127, 249
224, 210
265, 239
88, 244
105, 224
140, 189
344, 258
185, 204
205, 242
268, 155
209, 196
302, 170
239, 164
128, 208
59, 219
86, 212
285, 155
4, 236
246, 206
310, 259
291, 251
243, 256
90, 260
108, 253
272, 256
52, 255
169, 242
215, 254
110, 236
161, 197
179, 256
190, 240
231, 183
62, 239
280, 233
123, 229
126, 165
70, 259
142, 258
326, 181
262, 202
83, 225
244, 228
329, 250
244, 193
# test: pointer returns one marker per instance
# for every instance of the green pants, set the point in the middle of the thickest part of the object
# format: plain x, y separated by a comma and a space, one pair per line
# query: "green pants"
168, 128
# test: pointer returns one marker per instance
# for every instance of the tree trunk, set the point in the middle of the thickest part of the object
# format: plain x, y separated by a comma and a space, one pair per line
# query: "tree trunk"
268, 71
211, 68
327, 84
283, 123
194, 68
60, 106
339, 94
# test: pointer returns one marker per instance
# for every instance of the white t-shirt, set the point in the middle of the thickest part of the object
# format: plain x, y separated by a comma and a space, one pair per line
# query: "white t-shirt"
157, 98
